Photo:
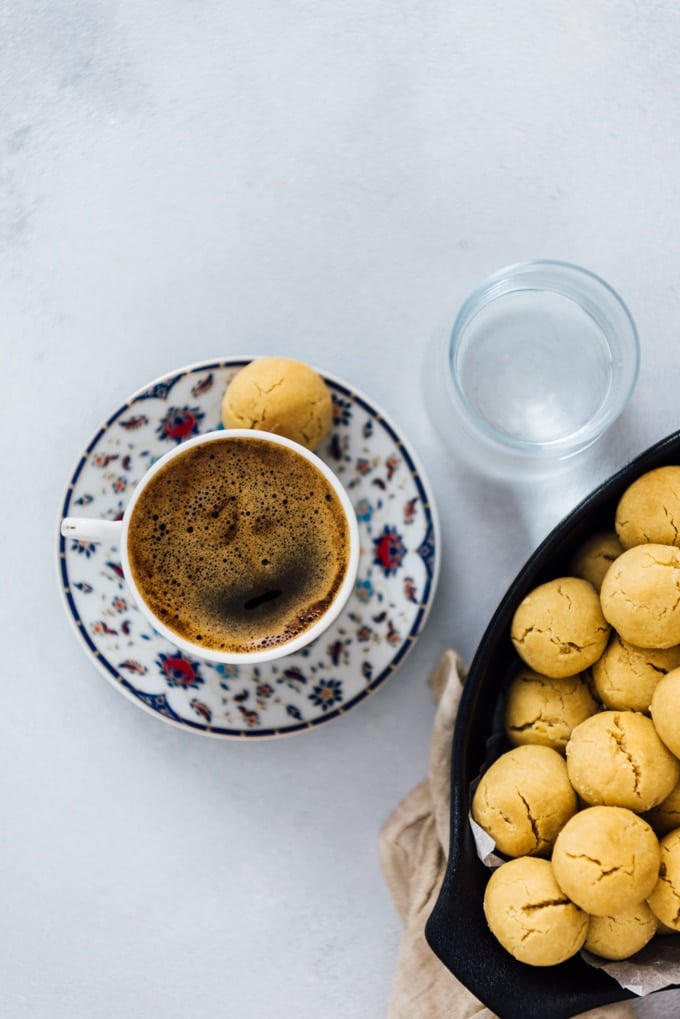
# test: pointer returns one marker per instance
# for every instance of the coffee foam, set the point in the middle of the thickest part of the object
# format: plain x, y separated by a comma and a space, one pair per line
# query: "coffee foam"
238, 545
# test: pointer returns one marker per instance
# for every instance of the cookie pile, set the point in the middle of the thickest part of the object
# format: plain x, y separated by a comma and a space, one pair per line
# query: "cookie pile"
586, 804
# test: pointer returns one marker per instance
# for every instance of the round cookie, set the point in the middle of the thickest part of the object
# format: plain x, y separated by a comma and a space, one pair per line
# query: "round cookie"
523, 799
666, 816
543, 710
280, 395
595, 556
559, 629
529, 914
606, 859
626, 676
664, 898
665, 710
622, 935
640, 596
649, 509
616, 758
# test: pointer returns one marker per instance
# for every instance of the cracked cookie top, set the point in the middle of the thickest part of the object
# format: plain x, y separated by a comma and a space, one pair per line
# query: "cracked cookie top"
606, 859
594, 557
664, 900
616, 758
559, 628
530, 914
649, 510
543, 710
280, 395
640, 596
626, 677
523, 800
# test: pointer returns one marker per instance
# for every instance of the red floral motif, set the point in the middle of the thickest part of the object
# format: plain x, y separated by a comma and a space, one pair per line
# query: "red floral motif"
180, 422
179, 670
389, 550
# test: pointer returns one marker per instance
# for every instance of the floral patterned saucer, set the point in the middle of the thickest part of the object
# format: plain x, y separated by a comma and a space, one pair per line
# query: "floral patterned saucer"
398, 568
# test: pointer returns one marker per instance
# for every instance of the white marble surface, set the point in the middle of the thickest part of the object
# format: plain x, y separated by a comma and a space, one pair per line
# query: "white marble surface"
326, 181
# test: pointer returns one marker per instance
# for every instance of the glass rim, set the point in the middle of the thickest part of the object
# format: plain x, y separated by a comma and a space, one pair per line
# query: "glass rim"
598, 299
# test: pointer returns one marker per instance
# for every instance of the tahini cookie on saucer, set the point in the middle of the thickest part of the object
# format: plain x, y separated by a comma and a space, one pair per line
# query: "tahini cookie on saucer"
280, 395
530, 915
640, 595
649, 509
559, 629
606, 859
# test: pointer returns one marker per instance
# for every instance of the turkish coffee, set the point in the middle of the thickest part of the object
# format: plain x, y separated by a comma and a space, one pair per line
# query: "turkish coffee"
238, 545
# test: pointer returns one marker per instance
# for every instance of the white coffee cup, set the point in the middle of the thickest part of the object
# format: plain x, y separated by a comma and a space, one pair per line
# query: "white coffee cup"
118, 533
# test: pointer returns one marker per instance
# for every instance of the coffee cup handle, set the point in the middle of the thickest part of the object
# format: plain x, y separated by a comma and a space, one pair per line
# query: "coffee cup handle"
84, 529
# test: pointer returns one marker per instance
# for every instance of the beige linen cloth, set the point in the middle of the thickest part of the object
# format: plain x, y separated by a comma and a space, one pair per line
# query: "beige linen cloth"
413, 844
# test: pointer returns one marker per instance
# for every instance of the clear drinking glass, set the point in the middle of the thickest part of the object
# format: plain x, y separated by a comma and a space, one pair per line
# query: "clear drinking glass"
542, 358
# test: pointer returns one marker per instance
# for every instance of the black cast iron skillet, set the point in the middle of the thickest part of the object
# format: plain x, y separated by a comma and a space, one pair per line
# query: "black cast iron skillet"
456, 929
